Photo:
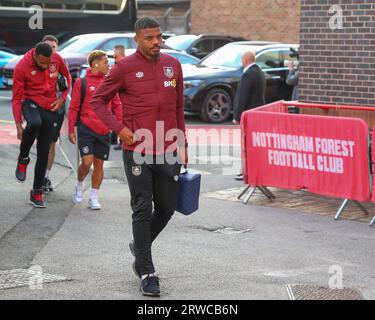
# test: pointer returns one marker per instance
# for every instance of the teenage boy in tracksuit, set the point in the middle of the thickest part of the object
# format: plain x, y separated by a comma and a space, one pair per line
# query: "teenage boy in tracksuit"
93, 134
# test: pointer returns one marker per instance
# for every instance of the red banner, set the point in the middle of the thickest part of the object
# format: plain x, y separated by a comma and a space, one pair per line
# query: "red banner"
325, 155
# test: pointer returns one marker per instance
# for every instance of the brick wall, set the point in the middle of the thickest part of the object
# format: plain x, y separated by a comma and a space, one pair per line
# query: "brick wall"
273, 20
338, 66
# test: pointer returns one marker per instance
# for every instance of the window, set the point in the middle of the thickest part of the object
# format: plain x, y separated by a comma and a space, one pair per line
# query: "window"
181, 42
218, 43
184, 59
204, 46
67, 5
82, 45
127, 42
285, 56
269, 60
229, 56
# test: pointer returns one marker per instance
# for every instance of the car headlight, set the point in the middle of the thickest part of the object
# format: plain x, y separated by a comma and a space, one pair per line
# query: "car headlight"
192, 83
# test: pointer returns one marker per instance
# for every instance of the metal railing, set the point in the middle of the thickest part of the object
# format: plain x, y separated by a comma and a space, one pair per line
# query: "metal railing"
175, 24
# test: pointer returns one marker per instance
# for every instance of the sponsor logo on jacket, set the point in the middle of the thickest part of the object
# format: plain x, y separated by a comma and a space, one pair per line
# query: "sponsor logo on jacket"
172, 83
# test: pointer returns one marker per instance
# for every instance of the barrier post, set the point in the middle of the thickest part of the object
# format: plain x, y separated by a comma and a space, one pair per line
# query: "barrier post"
344, 205
263, 189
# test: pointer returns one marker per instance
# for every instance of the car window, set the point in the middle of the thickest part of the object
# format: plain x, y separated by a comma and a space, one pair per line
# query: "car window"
270, 60
68, 43
204, 46
81, 45
218, 43
181, 42
285, 56
228, 56
184, 59
128, 43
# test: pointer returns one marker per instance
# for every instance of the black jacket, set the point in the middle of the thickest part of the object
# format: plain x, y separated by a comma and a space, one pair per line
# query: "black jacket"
250, 92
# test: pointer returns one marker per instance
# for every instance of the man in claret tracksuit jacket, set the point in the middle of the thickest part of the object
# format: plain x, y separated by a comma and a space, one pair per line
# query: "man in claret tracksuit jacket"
93, 135
35, 100
150, 85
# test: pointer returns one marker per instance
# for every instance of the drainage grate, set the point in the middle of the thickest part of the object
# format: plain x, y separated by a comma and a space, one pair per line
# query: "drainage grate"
309, 292
32, 278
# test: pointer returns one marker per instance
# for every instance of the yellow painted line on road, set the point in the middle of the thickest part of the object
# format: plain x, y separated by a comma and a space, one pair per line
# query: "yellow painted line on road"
6, 122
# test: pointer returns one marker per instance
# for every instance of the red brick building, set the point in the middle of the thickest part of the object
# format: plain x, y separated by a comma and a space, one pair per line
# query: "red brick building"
273, 20
338, 52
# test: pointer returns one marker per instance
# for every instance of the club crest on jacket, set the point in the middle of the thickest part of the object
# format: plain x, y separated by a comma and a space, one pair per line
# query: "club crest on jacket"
168, 71
52, 67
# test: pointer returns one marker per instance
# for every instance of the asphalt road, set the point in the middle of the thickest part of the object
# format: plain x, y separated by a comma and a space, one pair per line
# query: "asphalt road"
275, 248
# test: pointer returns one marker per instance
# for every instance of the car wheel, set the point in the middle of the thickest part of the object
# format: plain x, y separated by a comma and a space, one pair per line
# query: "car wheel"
217, 106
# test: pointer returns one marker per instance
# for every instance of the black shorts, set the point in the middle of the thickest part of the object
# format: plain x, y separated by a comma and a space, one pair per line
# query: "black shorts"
60, 121
91, 143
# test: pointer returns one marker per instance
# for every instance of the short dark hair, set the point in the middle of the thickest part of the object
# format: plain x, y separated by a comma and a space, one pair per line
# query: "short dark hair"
43, 49
145, 23
49, 37
119, 47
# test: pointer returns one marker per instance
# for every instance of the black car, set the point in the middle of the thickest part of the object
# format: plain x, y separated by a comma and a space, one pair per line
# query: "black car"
199, 46
210, 86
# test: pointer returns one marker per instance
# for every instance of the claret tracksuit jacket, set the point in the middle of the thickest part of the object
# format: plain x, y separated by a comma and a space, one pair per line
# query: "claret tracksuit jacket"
39, 86
87, 116
152, 98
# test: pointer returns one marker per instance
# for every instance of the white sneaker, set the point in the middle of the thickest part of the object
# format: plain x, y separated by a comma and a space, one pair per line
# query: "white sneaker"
78, 196
94, 204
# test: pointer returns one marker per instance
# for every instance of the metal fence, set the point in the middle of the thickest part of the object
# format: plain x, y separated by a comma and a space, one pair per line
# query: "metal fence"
175, 24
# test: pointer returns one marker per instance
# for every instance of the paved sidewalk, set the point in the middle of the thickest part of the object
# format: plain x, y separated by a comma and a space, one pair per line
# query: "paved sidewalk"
194, 258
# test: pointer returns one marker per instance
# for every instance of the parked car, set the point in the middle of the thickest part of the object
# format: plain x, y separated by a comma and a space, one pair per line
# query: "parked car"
76, 49
199, 46
183, 57
210, 86
5, 57
3, 47
168, 34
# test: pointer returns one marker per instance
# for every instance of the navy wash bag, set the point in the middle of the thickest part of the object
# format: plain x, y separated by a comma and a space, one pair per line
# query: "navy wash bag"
189, 189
